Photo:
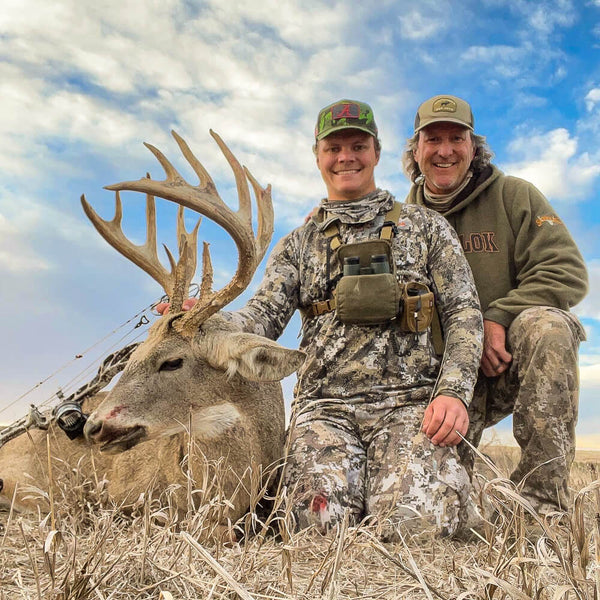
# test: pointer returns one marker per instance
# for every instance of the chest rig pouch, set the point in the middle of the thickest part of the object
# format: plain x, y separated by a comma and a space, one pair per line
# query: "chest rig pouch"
368, 293
363, 295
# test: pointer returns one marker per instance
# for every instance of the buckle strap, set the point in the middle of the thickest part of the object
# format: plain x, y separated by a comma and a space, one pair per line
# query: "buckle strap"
388, 230
332, 232
319, 308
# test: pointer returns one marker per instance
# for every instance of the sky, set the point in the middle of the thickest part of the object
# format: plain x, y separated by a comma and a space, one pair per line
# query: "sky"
83, 84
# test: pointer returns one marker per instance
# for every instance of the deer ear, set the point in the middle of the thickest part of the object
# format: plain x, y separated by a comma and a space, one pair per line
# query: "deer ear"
259, 359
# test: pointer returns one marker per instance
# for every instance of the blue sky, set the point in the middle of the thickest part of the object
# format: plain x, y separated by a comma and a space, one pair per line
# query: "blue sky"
83, 84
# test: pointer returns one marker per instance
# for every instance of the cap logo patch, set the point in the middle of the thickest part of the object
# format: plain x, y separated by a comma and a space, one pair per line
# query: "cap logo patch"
345, 111
444, 105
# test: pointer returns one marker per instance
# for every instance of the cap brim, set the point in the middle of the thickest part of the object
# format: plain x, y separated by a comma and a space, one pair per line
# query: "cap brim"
331, 130
443, 120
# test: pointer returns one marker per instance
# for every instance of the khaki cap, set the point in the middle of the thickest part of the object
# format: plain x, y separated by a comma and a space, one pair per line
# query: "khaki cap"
444, 109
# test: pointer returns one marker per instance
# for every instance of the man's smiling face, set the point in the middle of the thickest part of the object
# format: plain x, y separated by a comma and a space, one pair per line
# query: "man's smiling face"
444, 153
347, 161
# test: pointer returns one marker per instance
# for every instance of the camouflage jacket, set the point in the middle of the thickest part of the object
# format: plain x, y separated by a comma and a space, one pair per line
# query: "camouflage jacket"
348, 360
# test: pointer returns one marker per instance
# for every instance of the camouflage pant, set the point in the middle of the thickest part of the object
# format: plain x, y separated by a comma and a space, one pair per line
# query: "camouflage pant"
540, 390
369, 457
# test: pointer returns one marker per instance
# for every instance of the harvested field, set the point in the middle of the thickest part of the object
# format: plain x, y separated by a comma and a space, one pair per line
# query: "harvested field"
86, 549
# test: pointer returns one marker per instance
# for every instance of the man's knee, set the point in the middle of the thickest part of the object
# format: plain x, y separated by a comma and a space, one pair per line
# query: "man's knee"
544, 328
323, 475
322, 510
431, 493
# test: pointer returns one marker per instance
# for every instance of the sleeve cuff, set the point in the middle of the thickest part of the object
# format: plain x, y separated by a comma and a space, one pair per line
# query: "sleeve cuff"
499, 316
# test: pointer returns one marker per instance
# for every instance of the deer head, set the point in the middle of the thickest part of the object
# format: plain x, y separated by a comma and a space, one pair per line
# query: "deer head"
194, 365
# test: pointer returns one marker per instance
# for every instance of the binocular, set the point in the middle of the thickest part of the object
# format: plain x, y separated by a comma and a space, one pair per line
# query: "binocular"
379, 264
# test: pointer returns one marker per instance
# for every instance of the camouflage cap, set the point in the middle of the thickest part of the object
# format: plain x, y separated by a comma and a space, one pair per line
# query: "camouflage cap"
444, 109
345, 114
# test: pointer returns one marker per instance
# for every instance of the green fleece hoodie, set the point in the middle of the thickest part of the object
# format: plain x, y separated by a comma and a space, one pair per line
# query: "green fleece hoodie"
519, 250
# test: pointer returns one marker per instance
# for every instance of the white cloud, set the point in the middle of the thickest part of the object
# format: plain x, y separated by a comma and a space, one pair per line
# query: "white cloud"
542, 16
107, 76
414, 25
551, 162
14, 261
589, 307
503, 57
525, 64
17, 254
592, 98
546, 16
590, 375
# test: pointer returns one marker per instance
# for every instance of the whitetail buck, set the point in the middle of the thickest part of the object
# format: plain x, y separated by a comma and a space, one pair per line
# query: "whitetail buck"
195, 372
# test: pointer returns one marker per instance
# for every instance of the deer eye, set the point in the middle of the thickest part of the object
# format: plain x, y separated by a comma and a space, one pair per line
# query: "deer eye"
171, 365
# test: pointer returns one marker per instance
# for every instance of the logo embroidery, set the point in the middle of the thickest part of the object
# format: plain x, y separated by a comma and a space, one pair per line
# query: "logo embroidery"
444, 105
548, 219
345, 111
479, 242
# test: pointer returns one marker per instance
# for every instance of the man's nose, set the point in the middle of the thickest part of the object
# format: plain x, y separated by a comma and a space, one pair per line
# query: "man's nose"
445, 148
345, 154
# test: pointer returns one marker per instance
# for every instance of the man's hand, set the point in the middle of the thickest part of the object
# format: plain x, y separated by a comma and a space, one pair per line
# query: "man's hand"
443, 418
496, 359
162, 308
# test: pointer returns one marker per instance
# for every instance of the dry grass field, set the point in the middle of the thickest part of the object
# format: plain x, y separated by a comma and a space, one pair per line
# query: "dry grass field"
86, 549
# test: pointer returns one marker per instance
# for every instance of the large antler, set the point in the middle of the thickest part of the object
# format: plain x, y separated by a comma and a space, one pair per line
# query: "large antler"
205, 200
145, 256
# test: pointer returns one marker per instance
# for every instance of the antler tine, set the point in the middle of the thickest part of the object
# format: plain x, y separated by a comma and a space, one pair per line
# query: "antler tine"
245, 208
170, 171
185, 268
203, 175
191, 238
205, 200
183, 276
251, 250
265, 213
207, 273
144, 256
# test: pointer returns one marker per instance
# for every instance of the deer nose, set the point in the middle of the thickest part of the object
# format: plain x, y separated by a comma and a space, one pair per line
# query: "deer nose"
92, 429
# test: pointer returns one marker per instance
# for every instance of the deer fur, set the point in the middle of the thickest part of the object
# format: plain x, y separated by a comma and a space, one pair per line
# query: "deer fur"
137, 435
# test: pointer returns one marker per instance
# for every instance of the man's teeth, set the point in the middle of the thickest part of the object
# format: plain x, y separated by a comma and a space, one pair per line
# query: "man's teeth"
443, 165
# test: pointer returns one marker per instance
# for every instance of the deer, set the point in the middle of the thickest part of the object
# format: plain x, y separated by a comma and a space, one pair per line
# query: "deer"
196, 380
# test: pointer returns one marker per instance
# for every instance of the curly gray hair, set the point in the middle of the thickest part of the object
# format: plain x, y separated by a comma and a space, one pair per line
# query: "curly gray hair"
483, 155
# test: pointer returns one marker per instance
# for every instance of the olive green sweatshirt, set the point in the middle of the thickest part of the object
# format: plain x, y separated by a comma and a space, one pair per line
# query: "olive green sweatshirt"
520, 251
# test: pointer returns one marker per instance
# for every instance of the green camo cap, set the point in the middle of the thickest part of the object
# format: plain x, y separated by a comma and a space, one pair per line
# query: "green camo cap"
444, 109
345, 114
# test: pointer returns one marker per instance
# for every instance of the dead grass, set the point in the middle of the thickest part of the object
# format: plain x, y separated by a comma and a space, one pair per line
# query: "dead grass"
96, 551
